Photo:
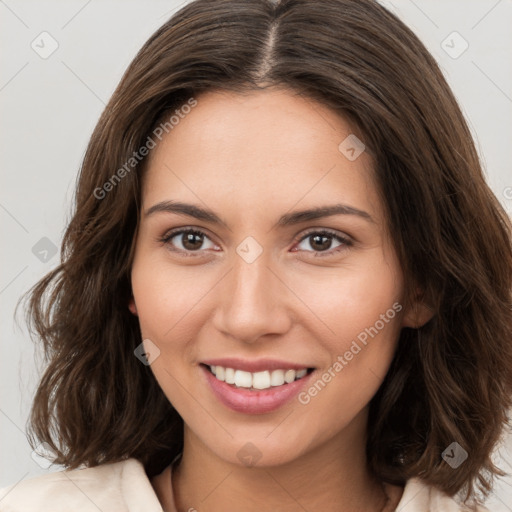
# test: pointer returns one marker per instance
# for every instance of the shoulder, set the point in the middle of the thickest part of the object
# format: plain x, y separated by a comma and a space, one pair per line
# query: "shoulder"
420, 497
115, 486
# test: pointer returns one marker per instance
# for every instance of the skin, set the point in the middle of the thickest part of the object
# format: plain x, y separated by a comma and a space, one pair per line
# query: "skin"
252, 158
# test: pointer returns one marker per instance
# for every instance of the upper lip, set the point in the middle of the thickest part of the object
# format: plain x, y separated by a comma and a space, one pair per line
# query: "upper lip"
255, 365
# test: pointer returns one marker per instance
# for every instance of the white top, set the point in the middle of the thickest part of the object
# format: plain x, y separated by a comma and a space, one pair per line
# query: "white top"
125, 487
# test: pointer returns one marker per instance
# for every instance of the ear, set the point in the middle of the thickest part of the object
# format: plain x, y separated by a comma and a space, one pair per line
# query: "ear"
132, 307
418, 313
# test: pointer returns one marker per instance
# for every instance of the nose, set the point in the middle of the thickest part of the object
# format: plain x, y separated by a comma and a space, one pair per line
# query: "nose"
252, 301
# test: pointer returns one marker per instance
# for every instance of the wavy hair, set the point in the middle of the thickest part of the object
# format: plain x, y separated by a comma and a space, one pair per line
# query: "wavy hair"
450, 380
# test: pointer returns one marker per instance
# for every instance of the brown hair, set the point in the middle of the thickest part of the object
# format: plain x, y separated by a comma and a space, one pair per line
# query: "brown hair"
450, 380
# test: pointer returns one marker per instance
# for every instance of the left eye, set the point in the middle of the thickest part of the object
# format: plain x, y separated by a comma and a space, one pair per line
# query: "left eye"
321, 242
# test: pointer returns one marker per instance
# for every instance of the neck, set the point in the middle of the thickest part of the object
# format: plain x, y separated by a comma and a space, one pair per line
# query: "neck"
331, 477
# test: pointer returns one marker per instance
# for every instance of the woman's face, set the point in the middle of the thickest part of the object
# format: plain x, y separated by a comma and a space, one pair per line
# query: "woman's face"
259, 288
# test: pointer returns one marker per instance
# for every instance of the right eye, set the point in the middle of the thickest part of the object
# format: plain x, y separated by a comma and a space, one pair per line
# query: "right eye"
186, 241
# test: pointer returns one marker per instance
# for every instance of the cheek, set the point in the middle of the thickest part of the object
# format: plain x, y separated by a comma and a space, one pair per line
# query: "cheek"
350, 299
166, 298
164, 314
360, 311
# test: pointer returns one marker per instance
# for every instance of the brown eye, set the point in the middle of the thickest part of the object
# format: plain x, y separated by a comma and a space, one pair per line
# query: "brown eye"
322, 242
187, 240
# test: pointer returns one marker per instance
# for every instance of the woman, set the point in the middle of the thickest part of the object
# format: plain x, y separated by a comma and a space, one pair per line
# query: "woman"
286, 284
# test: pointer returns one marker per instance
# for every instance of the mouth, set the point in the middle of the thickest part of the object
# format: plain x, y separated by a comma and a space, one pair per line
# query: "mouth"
257, 381
256, 392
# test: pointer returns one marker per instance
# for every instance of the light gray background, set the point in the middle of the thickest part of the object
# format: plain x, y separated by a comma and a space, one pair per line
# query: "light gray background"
50, 106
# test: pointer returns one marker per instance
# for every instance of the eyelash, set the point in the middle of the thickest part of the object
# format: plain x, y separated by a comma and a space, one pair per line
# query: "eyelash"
345, 241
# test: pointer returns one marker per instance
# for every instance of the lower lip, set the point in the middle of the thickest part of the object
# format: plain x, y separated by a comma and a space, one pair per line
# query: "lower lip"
254, 402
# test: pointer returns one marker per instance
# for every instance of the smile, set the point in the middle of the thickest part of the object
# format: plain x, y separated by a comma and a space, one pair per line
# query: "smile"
257, 380
255, 392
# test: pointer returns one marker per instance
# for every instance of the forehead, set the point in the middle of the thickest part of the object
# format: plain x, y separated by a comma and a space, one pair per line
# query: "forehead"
259, 149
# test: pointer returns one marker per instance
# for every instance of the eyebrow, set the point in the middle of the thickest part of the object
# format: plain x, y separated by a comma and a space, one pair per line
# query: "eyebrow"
289, 219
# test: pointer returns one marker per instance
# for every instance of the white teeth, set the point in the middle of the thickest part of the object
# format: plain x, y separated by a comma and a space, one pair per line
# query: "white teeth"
243, 379
289, 376
277, 378
261, 380
257, 380
230, 375
220, 372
